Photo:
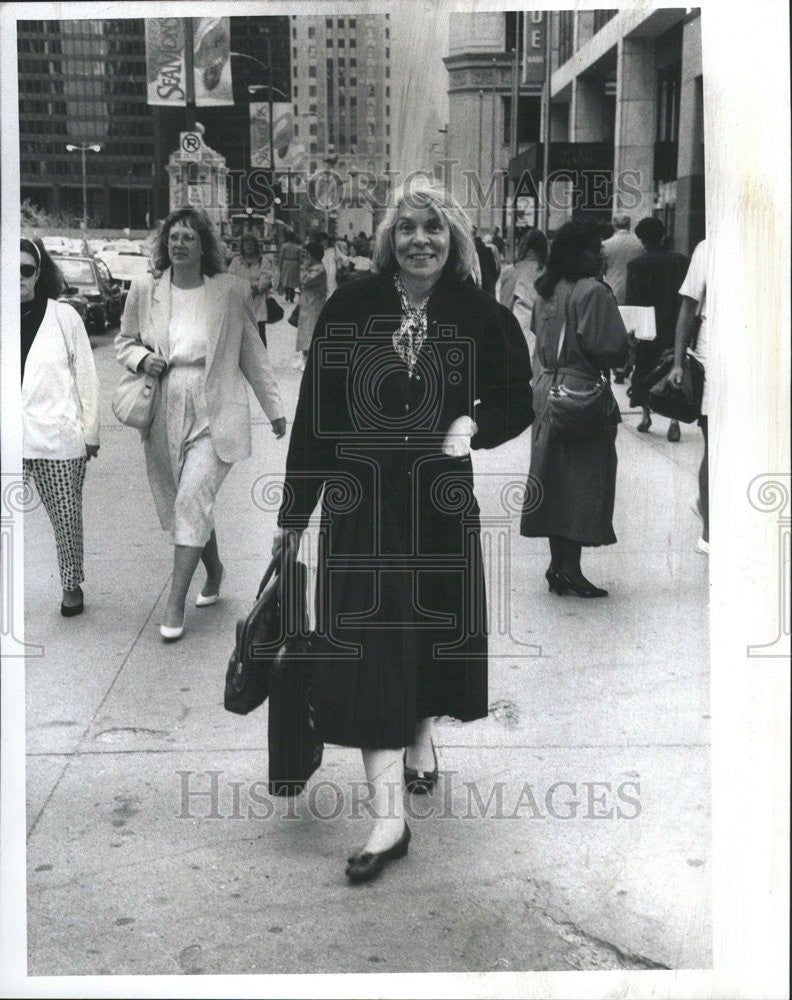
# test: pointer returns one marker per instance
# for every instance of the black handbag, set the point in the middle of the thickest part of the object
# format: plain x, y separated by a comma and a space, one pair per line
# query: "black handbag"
294, 316
274, 310
294, 750
681, 402
258, 639
580, 413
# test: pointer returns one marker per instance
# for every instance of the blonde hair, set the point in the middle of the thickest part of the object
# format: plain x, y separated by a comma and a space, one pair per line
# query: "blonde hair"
421, 194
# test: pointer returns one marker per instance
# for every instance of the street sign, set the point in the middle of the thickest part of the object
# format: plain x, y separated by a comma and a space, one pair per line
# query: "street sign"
190, 146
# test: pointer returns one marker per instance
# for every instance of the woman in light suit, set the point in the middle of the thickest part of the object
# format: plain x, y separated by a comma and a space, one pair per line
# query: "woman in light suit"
195, 327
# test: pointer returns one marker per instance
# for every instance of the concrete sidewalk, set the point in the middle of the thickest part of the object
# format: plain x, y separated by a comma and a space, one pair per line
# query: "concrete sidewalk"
571, 829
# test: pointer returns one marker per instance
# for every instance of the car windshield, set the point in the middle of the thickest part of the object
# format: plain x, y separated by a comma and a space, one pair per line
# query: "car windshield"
77, 272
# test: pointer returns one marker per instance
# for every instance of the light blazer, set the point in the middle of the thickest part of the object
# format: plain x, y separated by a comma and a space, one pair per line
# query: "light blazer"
234, 353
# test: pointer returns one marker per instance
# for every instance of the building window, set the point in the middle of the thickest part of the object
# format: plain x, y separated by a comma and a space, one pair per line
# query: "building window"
312, 71
511, 19
312, 32
329, 23
601, 18
312, 90
312, 128
668, 94
529, 114
566, 30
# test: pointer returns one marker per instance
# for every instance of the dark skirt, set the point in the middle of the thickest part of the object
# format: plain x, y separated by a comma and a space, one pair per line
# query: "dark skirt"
401, 615
571, 484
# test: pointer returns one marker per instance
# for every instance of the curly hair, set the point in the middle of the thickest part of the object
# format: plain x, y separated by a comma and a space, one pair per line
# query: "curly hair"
212, 261
574, 254
462, 252
50, 283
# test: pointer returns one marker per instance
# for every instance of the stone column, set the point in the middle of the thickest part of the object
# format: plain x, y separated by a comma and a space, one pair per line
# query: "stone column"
633, 181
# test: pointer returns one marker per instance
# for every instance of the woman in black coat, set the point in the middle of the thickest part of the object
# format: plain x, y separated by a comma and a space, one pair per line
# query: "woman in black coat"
572, 483
408, 370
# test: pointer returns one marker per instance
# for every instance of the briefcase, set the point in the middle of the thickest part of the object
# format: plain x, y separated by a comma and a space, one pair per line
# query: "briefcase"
294, 750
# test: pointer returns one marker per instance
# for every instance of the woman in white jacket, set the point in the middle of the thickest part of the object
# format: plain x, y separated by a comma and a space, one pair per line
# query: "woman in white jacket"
60, 410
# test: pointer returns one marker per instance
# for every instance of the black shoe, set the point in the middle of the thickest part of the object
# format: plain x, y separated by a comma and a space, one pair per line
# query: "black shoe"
366, 866
420, 782
673, 431
618, 376
554, 584
580, 587
644, 425
70, 610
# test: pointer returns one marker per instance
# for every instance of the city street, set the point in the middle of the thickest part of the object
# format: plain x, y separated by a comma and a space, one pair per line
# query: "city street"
570, 830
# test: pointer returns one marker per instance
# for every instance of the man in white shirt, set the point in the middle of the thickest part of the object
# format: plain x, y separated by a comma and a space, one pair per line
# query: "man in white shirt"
617, 252
694, 306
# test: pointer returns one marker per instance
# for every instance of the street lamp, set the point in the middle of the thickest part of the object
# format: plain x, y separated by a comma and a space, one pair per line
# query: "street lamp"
94, 147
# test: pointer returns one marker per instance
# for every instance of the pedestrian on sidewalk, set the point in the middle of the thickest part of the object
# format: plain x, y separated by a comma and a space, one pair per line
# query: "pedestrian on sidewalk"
617, 252
60, 410
313, 294
195, 327
572, 482
256, 269
692, 313
289, 267
653, 279
517, 287
434, 368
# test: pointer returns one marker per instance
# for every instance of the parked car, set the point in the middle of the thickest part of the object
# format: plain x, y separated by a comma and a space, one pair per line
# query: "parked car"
76, 301
92, 280
65, 244
125, 265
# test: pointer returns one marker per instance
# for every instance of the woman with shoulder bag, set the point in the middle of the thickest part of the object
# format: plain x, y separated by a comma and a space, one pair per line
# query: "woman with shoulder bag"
60, 410
572, 480
195, 329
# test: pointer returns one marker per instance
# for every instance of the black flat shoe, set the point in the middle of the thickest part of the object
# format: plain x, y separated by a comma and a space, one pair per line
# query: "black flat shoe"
70, 610
673, 431
366, 866
420, 782
582, 588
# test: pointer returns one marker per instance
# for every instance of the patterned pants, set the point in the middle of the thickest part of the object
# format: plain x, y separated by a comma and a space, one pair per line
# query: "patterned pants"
60, 483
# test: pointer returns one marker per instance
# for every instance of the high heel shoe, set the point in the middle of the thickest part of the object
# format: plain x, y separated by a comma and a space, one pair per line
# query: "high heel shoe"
554, 583
644, 425
71, 610
420, 782
206, 600
366, 866
170, 634
582, 589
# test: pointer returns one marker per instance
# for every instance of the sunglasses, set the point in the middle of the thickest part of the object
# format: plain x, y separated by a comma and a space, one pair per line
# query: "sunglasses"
27, 270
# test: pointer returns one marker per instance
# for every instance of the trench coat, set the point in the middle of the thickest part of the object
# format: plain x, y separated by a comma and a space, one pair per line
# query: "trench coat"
572, 483
400, 601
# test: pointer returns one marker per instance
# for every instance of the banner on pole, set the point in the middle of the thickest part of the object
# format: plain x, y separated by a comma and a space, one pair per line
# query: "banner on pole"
282, 136
165, 69
165, 74
212, 60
